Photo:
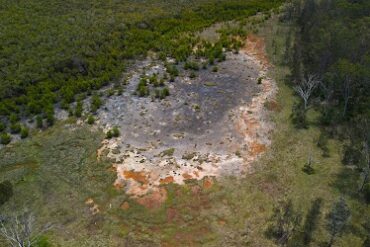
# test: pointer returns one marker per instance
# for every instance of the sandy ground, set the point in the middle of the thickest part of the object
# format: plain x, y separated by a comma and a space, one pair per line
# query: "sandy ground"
214, 125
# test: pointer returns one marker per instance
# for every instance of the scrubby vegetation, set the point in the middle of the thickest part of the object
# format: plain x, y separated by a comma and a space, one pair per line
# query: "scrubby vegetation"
53, 52
330, 72
312, 188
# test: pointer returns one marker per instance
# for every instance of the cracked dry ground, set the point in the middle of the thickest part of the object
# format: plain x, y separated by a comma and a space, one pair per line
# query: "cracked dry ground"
214, 125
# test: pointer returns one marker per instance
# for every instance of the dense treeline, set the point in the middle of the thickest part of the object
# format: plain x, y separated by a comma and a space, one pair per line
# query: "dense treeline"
50, 53
330, 61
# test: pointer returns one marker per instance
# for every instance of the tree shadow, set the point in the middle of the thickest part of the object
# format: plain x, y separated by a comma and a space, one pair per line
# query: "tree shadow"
311, 221
303, 237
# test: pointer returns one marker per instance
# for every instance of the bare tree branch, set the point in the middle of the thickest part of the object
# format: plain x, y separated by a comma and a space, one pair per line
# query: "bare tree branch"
20, 231
306, 87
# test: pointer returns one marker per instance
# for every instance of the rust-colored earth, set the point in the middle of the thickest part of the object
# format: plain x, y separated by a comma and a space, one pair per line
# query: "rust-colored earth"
166, 180
257, 148
137, 176
153, 200
255, 46
207, 183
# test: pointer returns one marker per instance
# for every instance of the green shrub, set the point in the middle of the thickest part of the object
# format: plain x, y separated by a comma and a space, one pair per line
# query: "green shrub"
166, 92
110, 92
42, 241
96, 102
6, 191
15, 128
24, 132
142, 88
39, 122
50, 118
115, 132
2, 126
109, 134
367, 192
259, 81
78, 109
215, 69
91, 119
13, 118
5, 138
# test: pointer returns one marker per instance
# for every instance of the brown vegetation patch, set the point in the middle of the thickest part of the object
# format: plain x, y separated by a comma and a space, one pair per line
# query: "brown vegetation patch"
272, 105
172, 214
125, 206
153, 200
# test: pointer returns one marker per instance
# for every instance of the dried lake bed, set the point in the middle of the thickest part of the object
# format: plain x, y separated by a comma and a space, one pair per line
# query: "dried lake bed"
213, 125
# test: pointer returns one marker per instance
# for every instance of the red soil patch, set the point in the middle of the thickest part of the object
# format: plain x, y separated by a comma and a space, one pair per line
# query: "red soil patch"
172, 214
252, 125
125, 206
207, 183
137, 176
166, 180
257, 148
186, 176
118, 185
221, 222
153, 200
256, 46
196, 190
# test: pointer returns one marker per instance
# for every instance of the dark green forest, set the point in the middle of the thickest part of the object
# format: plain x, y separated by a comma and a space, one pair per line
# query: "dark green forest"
329, 51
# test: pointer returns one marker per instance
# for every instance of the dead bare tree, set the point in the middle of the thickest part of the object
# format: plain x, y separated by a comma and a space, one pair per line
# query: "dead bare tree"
20, 230
306, 86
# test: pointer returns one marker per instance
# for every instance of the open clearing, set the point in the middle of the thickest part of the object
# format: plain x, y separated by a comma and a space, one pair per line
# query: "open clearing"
213, 125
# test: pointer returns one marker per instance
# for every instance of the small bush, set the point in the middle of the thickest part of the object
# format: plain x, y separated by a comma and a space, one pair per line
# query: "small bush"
165, 92
91, 119
259, 81
6, 191
115, 132
96, 102
192, 75
367, 192
2, 127
5, 138
15, 128
50, 118
142, 88
322, 143
79, 109
42, 242
24, 132
13, 118
215, 69
167, 152
109, 134
39, 122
